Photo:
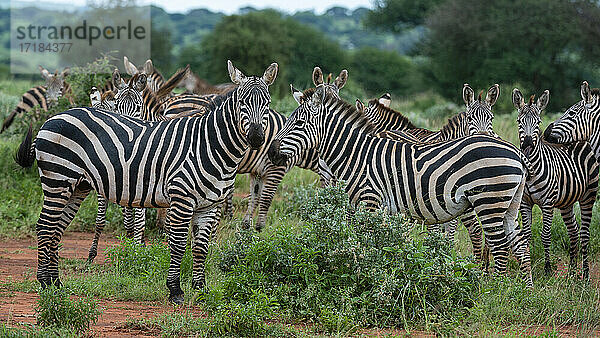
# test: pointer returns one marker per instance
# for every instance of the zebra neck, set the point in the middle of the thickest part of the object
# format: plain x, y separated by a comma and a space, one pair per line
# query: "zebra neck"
455, 127
595, 141
536, 158
388, 119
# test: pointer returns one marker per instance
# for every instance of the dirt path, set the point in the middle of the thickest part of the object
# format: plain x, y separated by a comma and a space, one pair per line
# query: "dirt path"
18, 262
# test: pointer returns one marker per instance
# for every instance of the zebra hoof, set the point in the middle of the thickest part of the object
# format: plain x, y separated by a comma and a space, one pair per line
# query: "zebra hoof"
197, 285
176, 299
259, 228
91, 257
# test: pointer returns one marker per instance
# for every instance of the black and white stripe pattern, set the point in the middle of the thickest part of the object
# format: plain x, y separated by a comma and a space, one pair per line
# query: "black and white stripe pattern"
44, 97
580, 123
187, 164
433, 182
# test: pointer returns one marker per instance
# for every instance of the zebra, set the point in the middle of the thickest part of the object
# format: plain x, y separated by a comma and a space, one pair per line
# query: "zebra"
187, 164
580, 123
45, 96
432, 182
197, 86
154, 77
476, 119
264, 176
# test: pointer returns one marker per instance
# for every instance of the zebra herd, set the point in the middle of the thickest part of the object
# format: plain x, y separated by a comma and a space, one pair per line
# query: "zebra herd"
141, 146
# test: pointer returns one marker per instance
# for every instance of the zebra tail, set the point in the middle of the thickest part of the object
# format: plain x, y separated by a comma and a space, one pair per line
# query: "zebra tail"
172, 82
8, 121
25, 155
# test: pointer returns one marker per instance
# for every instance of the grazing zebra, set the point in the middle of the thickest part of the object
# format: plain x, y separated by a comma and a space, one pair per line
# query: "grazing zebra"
477, 119
580, 123
430, 182
187, 164
45, 96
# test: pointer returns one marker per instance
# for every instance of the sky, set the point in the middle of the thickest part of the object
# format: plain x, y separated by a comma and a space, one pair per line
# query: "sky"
231, 6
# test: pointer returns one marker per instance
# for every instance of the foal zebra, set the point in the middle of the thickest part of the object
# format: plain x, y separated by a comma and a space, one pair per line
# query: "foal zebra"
187, 164
432, 182
579, 123
45, 96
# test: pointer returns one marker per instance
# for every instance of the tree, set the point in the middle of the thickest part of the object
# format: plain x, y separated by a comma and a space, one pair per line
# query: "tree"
380, 71
161, 51
396, 15
254, 40
536, 44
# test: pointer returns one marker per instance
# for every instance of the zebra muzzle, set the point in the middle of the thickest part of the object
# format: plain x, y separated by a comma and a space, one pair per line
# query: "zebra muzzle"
275, 154
256, 135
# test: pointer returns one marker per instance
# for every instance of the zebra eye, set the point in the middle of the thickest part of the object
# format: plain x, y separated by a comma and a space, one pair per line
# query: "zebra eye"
300, 123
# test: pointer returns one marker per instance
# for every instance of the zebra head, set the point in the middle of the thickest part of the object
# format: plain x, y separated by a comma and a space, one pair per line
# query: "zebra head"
253, 101
331, 88
102, 101
580, 121
529, 119
147, 69
300, 131
54, 84
128, 99
479, 112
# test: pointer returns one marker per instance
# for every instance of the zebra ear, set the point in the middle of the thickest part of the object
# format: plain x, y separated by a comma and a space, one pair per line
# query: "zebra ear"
517, 99
235, 74
141, 82
148, 67
340, 81
492, 94
586, 93
116, 79
130, 68
95, 96
318, 97
298, 96
65, 72
45, 73
317, 76
360, 106
270, 74
468, 94
385, 100
542, 101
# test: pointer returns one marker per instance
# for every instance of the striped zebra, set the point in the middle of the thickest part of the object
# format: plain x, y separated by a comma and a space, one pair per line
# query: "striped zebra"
476, 119
154, 77
197, 86
433, 183
580, 123
264, 176
129, 101
187, 164
45, 96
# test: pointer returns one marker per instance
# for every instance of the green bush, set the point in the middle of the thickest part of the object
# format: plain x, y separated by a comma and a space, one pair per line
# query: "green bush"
366, 270
55, 309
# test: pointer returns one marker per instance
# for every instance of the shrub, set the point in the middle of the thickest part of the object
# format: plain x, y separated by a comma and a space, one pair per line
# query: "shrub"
55, 309
369, 269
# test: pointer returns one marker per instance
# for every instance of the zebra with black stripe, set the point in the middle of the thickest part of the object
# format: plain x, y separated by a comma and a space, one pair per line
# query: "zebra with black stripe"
154, 77
187, 164
45, 96
476, 119
580, 123
433, 182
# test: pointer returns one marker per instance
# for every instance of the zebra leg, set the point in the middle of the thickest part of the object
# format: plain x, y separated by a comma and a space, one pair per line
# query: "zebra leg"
139, 225
100, 223
178, 220
128, 221
469, 220
586, 206
255, 188
547, 215
58, 211
526, 218
203, 225
516, 237
228, 206
272, 178
573, 230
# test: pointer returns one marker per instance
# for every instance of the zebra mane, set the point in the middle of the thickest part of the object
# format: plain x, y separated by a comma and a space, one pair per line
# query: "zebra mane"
389, 111
349, 113
455, 120
219, 99
596, 91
